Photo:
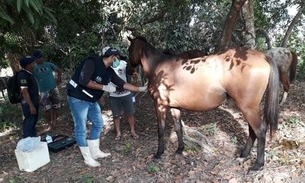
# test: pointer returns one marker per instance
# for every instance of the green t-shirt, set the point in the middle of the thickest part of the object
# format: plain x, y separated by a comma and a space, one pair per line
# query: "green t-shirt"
44, 76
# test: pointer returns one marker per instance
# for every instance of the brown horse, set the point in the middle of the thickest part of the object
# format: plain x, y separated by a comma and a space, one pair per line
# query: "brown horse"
286, 62
188, 54
191, 54
204, 83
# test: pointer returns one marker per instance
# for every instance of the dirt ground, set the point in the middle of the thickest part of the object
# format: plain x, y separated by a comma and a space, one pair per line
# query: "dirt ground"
132, 161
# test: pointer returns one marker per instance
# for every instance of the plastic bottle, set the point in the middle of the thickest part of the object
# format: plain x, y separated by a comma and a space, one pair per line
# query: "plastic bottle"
49, 138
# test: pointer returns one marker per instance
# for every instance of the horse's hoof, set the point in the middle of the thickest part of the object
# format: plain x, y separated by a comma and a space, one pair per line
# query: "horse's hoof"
157, 156
179, 151
257, 167
242, 155
245, 153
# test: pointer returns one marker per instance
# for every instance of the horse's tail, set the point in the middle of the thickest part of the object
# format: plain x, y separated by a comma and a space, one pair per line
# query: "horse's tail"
271, 108
293, 66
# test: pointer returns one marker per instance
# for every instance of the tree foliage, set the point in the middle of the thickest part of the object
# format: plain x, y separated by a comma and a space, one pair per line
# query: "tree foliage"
69, 30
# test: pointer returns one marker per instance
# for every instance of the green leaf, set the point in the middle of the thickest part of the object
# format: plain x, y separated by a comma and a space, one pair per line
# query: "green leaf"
5, 16
37, 22
51, 17
27, 3
36, 5
29, 14
19, 5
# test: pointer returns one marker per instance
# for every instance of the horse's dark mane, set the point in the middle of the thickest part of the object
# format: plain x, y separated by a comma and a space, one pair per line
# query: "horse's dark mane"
151, 50
142, 38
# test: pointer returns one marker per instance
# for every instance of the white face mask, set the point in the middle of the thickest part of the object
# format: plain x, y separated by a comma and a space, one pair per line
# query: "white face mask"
115, 63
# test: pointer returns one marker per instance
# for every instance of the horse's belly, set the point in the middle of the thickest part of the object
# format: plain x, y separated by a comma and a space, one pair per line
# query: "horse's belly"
196, 100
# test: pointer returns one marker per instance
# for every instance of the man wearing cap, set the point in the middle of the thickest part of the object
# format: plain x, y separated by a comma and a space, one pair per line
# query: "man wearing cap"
122, 99
29, 96
49, 93
84, 90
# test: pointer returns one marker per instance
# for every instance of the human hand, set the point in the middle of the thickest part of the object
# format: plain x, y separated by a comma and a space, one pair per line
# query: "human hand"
109, 88
33, 109
143, 88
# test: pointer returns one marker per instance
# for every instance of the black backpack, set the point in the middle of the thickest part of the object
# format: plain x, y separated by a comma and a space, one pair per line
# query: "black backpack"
13, 89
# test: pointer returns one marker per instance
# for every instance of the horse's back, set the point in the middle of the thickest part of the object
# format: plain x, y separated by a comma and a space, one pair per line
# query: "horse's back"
206, 81
245, 72
282, 56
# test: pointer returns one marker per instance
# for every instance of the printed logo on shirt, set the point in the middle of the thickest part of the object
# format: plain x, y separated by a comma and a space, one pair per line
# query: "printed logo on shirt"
23, 81
98, 79
45, 69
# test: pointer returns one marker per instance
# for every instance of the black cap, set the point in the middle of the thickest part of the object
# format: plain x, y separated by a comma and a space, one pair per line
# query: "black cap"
37, 54
111, 51
24, 61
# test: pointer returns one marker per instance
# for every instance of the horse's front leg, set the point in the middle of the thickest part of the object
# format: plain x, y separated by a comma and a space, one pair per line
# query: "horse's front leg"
178, 129
161, 116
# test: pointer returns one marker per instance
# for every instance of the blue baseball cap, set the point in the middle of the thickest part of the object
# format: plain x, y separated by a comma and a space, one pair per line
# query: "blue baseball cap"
37, 54
107, 51
24, 61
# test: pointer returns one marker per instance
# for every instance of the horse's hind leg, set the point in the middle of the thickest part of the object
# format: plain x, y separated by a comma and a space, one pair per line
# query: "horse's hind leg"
249, 143
178, 129
286, 85
256, 128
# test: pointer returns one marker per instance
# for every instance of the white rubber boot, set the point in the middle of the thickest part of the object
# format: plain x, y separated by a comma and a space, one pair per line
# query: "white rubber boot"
87, 157
94, 146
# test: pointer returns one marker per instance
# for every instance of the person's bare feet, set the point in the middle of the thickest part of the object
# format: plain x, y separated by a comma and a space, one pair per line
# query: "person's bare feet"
117, 138
134, 135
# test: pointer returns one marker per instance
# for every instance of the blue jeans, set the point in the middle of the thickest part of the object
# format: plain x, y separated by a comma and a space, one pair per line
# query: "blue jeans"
29, 120
83, 111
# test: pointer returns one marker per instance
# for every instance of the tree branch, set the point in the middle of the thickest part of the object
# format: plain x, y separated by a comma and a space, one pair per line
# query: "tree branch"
292, 24
266, 35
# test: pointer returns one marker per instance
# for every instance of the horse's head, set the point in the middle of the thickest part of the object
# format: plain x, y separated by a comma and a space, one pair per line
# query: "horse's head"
135, 50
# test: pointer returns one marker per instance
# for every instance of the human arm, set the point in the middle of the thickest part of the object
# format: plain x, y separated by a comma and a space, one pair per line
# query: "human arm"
127, 86
85, 78
59, 73
27, 98
130, 87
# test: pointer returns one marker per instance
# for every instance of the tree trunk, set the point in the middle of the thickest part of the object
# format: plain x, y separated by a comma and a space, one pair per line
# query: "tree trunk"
14, 62
225, 38
266, 35
249, 29
292, 24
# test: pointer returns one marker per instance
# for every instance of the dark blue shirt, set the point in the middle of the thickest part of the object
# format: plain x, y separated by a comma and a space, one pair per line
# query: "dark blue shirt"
27, 79
94, 69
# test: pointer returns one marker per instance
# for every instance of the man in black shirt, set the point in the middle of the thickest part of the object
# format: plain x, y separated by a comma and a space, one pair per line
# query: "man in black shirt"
30, 96
84, 90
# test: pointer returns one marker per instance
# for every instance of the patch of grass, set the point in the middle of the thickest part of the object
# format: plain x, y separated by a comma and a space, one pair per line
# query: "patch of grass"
87, 178
291, 122
211, 128
295, 121
13, 181
153, 168
7, 126
10, 116
191, 149
234, 139
127, 148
